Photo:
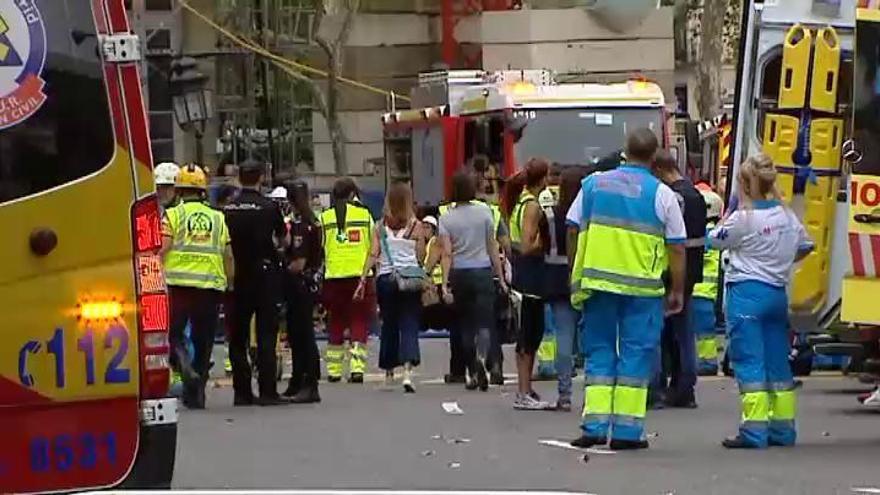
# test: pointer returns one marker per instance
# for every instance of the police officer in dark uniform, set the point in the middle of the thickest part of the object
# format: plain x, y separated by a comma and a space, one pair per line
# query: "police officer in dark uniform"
258, 232
678, 376
303, 259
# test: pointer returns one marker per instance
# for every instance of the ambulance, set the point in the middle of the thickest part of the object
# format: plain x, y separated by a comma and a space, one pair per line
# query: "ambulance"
495, 121
84, 348
808, 94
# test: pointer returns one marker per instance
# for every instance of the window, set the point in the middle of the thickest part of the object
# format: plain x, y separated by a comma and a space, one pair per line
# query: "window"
866, 124
158, 4
158, 70
158, 41
71, 135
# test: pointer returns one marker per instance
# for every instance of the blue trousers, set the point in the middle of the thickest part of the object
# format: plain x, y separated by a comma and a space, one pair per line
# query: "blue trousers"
702, 320
401, 322
566, 319
619, 337
757, 319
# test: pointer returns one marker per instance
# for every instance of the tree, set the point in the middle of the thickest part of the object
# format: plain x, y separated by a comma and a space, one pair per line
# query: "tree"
710, 61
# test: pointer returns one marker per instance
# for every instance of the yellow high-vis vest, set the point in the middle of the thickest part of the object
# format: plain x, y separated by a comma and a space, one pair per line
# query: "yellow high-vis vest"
437, 272
199, 239
621, 244
708, 288
516, 217
346, 247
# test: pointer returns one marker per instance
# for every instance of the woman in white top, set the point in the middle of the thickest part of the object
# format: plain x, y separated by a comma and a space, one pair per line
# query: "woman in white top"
398, 245
765, 239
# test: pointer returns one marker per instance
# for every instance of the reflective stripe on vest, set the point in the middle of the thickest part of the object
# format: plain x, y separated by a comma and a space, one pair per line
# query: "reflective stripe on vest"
346, 249
708, 288
197, 247
626, 252
516, 219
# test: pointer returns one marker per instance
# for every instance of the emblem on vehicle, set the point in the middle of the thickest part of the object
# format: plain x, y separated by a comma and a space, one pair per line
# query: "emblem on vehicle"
22, 58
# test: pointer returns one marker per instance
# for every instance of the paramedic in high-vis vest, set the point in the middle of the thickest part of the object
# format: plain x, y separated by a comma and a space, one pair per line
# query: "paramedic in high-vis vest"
630, 230
546, 358
198, 270
764, 239
165, 177
702, 311
347, 229
527, 259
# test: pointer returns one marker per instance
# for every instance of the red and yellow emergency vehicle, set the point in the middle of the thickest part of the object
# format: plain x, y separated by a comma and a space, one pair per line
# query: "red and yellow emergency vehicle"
84, 348
808, 96
497, 120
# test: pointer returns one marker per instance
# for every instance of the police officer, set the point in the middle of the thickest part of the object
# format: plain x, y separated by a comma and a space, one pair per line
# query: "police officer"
303, 260
678, 338
258, 232
198, 269
702, 313
630, 229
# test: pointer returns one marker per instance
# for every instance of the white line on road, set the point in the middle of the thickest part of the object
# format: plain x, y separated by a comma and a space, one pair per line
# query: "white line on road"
339, 492
865, 490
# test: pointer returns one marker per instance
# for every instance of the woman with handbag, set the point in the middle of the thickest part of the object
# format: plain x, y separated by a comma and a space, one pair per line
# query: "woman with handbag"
398, 245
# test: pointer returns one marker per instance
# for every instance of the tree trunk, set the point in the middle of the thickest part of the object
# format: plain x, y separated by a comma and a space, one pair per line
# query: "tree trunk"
334, 127
709, 68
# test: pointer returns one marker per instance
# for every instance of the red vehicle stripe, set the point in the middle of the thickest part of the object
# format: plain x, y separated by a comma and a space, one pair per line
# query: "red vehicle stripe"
875, 252
98, 14
118, 19
112, 81
858, 261
137, 120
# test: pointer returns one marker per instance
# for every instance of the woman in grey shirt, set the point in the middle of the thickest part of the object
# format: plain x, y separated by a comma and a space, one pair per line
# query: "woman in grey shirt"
469, 255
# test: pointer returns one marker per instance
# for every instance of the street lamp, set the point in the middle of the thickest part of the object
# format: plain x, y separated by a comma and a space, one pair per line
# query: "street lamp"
192, 101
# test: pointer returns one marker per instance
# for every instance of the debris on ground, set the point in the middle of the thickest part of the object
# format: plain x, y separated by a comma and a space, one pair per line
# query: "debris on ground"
428, 453
452, 408
229, 421
436, 437
454, 465
586, 458
826, 433
453, 441
653, 434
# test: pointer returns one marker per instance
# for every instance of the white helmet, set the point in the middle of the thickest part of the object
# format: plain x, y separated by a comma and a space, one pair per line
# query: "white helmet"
279, 193
431, 220
714, 204
165, 174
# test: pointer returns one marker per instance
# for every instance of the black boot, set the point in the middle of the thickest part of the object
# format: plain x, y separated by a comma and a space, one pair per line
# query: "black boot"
356, 378
628, 444
585, 442
293, 388
307, 395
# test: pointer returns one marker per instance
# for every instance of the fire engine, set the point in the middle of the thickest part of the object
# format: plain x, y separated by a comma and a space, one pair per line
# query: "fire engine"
495, 121
808, 93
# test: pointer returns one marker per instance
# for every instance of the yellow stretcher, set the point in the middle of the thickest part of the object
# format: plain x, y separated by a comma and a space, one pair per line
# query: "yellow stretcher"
817, 204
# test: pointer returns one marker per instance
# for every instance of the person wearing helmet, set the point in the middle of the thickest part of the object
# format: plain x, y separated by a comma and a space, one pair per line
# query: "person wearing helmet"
165, 177
702, 311
198, 270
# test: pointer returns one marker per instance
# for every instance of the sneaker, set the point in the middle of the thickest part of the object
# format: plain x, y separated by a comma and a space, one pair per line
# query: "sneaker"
407, 382
873, 400
306, 395
526, 402
563, 404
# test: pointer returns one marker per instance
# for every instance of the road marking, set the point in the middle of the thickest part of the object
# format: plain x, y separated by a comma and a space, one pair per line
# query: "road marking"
567, 446
343, 492
865, 490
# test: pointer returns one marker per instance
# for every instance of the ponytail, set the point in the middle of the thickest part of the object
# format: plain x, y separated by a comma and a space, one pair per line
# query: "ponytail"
513, 188
343, 190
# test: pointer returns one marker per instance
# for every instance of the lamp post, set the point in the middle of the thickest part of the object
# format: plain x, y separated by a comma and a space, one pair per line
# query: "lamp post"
192, 102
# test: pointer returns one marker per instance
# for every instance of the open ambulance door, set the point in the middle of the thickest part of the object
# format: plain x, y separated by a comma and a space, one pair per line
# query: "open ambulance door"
862, 284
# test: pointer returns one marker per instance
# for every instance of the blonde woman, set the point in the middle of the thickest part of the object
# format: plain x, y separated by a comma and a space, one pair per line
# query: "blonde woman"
764, 239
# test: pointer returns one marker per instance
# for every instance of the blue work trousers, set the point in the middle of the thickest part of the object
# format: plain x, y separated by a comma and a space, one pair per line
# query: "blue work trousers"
566, 320
619, 336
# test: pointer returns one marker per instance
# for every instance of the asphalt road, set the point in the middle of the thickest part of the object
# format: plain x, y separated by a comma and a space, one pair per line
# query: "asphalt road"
362, 436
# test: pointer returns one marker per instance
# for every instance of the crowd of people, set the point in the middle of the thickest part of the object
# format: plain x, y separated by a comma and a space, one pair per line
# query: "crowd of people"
624, 263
